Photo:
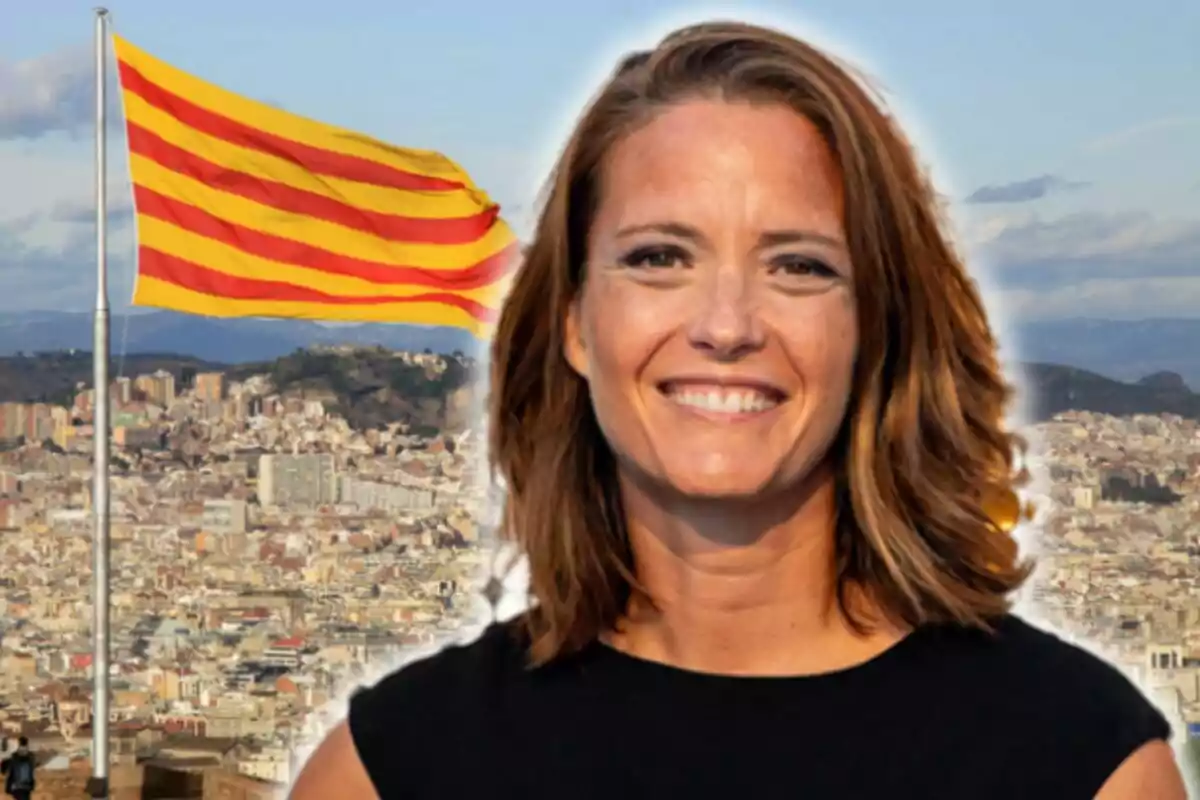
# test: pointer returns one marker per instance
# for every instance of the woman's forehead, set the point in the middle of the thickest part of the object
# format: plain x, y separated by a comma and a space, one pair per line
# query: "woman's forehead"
764, 165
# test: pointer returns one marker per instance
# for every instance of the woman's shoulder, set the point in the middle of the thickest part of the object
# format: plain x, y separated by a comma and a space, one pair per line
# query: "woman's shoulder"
1068, 710
1035, 665
1035, 655
429, 698
459, 673
457, 666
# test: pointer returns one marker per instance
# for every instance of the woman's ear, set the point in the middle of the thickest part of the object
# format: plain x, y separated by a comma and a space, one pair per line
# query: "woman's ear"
574, 342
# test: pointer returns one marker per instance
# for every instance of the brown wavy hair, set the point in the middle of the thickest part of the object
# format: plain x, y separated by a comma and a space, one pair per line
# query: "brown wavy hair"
923, 456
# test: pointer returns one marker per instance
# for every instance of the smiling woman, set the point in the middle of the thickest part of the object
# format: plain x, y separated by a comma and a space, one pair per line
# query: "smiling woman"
716, 328
748, 409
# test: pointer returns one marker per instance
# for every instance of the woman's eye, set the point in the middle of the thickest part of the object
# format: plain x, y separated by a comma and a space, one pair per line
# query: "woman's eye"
802, 266
655, 257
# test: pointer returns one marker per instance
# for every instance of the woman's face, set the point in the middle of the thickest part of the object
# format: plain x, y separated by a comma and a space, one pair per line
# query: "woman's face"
716, 327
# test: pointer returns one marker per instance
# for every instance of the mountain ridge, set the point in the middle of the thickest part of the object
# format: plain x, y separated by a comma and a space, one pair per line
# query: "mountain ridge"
371, 385
369, 388
1127, 350
226, 341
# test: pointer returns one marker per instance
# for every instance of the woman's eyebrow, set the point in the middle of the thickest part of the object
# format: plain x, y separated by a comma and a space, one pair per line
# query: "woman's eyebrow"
799, 236
678, 229
767, 239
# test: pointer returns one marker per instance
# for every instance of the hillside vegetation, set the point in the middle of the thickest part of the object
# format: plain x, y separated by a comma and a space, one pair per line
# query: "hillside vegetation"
371, 387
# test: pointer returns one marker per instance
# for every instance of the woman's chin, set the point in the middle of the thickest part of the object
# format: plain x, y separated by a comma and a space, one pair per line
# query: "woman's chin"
715, 486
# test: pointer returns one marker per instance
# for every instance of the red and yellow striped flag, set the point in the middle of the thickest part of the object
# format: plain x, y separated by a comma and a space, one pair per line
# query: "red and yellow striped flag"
244, 210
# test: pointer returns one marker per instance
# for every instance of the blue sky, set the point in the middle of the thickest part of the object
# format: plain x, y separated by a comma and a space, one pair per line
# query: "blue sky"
1078, 120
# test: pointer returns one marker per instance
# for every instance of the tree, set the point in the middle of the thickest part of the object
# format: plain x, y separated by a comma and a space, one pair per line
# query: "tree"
454, 377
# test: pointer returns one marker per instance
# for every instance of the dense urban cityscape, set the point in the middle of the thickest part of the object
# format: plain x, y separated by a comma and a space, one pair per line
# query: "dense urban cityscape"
1118, 548
268, 557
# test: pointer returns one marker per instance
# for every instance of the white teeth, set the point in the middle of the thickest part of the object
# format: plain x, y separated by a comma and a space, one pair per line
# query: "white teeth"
736, 401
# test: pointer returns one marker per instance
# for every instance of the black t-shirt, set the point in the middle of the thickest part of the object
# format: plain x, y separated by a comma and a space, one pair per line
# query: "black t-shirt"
945, 713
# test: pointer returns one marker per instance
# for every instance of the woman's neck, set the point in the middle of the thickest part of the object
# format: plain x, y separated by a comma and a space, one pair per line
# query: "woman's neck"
742, 589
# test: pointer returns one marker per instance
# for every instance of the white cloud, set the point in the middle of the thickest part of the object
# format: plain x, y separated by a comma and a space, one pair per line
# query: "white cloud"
1023, 191
51, 93
1107, 298
35, 179
48, 257
1117, 265
1021, 238
1116, 139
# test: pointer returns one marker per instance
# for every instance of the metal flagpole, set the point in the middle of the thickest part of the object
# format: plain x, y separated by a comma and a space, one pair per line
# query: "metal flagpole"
98, 785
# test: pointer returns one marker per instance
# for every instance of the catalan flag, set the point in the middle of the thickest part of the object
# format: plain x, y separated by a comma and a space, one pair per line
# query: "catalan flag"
245, 210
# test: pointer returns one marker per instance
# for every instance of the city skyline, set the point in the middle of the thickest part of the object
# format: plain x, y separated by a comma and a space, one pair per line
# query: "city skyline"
270, 555
384, 522
1064, 142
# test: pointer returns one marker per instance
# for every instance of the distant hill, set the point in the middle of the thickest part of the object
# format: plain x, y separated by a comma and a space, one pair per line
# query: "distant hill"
52, 377
370, 389
373, 387
1053, 389
226, 341
1125, 350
